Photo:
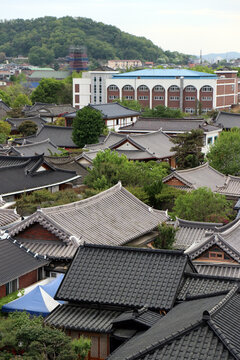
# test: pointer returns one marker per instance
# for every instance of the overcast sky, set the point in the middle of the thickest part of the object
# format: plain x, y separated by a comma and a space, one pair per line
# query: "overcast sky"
186, 26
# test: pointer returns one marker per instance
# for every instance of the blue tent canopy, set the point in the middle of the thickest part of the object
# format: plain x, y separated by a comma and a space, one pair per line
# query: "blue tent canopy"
36, 302
52, 287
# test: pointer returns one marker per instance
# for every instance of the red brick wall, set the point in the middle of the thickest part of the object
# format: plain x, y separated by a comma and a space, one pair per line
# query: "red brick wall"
77, 88
77, 98
144, 103
174, 182
128, 93
28, 279
2, 291
112, 93
37, 231
158, 102
173, 103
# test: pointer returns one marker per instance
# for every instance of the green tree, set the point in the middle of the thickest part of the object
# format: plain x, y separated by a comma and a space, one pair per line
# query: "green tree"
52, 91
87, 126
40, 56
224, 155
162, 111
5, 97
5, 127
27, 128
188, 148
130, 104
20, 101
202, 205
37, 340
166, 236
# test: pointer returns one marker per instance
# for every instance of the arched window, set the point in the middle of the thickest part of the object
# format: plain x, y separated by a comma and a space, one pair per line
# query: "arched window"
143, 88
190, 88
158, 88
128, 88
113, 88
174, 88
207, 88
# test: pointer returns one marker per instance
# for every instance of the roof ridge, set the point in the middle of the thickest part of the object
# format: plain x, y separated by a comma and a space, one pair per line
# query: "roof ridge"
214, 277
183, 221
229, 295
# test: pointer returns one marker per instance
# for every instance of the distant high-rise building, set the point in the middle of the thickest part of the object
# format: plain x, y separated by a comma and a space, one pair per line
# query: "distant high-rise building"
77, 58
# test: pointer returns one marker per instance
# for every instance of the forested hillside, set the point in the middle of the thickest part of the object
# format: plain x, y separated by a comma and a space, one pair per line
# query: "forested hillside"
52, 37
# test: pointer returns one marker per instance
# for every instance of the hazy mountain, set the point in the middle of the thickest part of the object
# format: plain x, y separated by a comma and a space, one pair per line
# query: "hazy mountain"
221, 56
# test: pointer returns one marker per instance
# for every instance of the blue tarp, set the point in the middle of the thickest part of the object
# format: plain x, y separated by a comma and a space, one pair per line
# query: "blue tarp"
52, 287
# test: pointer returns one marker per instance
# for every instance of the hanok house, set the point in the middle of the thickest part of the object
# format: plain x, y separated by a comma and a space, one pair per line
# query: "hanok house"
153, 146
113, 114
21, 174
45, 147
205, 175
204, 327
114, 292
16, 122
8, 217
174, 127
58, 135
48, 112
227, 120
19, 267
113, 217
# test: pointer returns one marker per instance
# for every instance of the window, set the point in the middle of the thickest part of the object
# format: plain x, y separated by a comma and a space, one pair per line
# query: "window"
207, 88
113, 88
190, 89
209, 140
216, 255
128, 97
158, 88
100, 79
143, 88
190, 98
100, 89
143, 98
112, 97
95, 89
100, 99
205, 110
207, 98
95, 99
95, 79
174, 88
174, 98
12, 286
215, 138
77, 88
158, 97
190, 110
128, 88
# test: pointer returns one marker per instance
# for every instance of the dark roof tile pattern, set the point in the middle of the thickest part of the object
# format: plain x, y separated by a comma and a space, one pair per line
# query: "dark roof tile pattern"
123, 276
142, 316
16, 122
15, 260
223, 270
197, 285
8, 216
227, 120
205, 328
74, 317
113, 217
45, 147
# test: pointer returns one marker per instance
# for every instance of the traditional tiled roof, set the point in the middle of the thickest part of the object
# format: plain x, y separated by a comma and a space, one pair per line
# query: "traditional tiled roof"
113, 217
142, 316
203, 175
32, 173
16, 122
45, 147
197, 285
155, 145
49, 74
59, 135
168, 125
114, 110
231, 187
189, 232
228, 120
124, 276
74, 317
49, 110
223, 269
206, 328
226, 237
15, 260
8, 216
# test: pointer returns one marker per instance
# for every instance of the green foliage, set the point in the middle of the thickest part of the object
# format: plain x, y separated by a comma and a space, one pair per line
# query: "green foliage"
5, 97
28, 203
3, 138
162, 111
5, 128
21, 100
165, 200
203, 68
60, 121
188, 149
52, 91
166, 237
47, 37
27, 128
224, 154
130, 104
35, 340
139, 192
13, 296
202, 205
40, 56
87, 126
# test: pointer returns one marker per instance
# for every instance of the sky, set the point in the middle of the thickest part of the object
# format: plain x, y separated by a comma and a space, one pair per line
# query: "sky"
186, 26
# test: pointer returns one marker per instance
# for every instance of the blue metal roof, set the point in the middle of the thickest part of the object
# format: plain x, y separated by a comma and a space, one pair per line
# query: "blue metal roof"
165, 74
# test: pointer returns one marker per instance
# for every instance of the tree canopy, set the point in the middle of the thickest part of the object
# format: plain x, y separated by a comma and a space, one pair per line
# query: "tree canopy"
27, 128
88, 125
45, 38
188, 149
53, 91
130, 104
202, 205
224, 155
20, 334
162, 111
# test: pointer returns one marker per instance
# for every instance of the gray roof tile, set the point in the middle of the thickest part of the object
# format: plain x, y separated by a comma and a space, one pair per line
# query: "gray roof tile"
123, 276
